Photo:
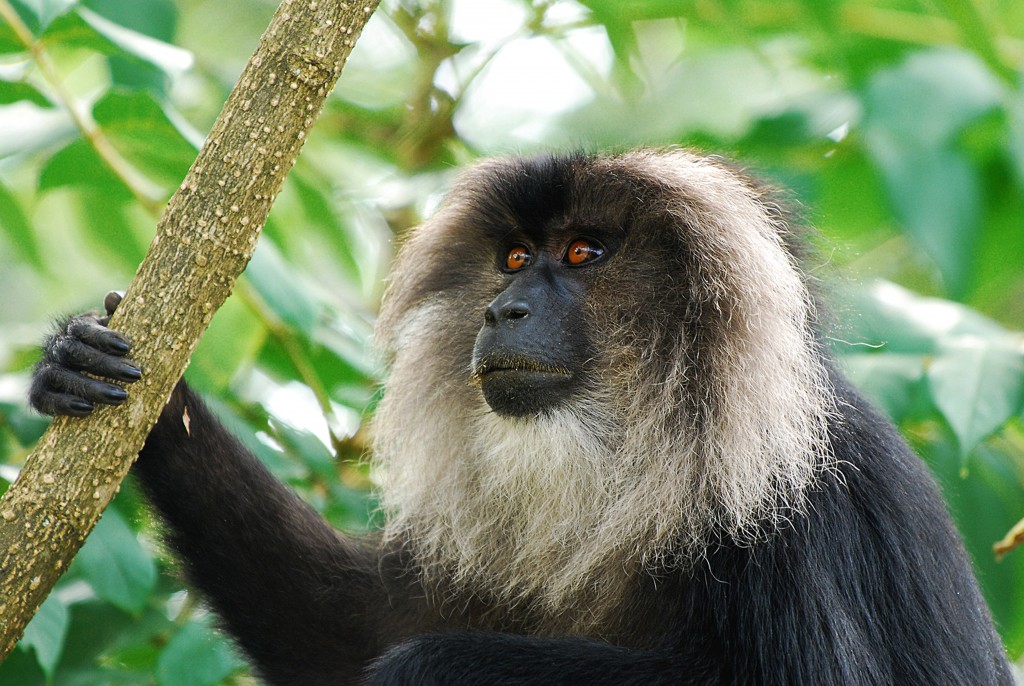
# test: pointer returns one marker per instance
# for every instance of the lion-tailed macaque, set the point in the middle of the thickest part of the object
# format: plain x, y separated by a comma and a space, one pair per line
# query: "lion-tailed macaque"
612, 449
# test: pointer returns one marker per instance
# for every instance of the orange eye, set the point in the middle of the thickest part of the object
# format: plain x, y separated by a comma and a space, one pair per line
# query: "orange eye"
518, 257
583, 250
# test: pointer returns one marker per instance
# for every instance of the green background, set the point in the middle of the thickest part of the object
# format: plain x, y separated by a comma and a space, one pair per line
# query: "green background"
897, 125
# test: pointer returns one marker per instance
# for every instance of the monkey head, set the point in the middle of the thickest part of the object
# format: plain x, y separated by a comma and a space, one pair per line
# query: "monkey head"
593, 359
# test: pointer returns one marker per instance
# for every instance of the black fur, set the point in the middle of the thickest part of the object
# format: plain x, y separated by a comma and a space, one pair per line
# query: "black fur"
870, 586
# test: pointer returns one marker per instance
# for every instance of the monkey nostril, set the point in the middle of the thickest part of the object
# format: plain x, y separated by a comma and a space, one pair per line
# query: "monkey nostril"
514, 310
511, 311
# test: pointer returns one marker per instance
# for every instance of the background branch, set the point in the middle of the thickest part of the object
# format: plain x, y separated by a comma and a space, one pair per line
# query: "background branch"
203, 242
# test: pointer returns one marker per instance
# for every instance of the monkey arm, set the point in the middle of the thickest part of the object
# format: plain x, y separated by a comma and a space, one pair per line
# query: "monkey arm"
513, 660
310, 605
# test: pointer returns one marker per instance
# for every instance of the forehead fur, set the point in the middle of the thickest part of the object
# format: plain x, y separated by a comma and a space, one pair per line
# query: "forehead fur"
687, 203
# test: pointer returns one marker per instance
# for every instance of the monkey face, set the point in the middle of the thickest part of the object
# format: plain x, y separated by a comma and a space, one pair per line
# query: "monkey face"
507, 288
531, 350
581, 283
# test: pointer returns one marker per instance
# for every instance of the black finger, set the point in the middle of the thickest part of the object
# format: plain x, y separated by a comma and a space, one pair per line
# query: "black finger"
75, 355
90, 331
54, 389
57, 404
112, 300
46, 398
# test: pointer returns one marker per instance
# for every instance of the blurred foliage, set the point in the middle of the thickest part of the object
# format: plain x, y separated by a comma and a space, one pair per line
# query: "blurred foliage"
898, 125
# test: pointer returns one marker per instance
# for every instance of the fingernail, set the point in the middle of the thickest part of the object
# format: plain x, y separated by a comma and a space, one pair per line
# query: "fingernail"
80, 406
115, 394
131, 372
120, 345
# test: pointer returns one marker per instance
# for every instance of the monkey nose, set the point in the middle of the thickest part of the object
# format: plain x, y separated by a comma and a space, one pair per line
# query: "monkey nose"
506, 311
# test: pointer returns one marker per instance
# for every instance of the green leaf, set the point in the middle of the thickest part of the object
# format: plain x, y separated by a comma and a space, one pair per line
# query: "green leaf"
278, 285
103, 202
145, 135
109, 647
27, 427
1000, 272
110, 225
9, 42
85, 29
904, 322
234, 337
15, 224
21, 669
38, 14
936, 194
308, 448
27, 127
913, 113
169, 58
77, 164
985, 502
978, 34
115, 564
350, 343
334, 370
26, 11
196, 656
852, 200
352, 508
46, 632
618, 18
978, 385
892, 381
1015, 110
155, 18
930, 97
320, 210
16, 91
638, 10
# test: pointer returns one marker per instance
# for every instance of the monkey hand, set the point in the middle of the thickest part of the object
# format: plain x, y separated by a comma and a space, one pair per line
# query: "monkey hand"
78, 360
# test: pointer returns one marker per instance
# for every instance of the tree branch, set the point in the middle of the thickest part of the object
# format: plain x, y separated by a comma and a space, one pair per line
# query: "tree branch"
203, 242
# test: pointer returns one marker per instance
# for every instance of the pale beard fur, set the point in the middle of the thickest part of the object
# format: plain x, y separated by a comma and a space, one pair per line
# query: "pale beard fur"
514, 512
560, 512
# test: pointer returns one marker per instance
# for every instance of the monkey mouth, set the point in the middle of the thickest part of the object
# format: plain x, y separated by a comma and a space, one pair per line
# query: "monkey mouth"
520, 386
516, 366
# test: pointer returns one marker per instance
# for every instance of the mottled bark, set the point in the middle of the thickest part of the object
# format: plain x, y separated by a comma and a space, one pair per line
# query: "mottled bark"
203, 242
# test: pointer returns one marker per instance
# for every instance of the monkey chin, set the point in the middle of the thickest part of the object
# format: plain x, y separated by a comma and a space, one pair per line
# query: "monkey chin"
522, 392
